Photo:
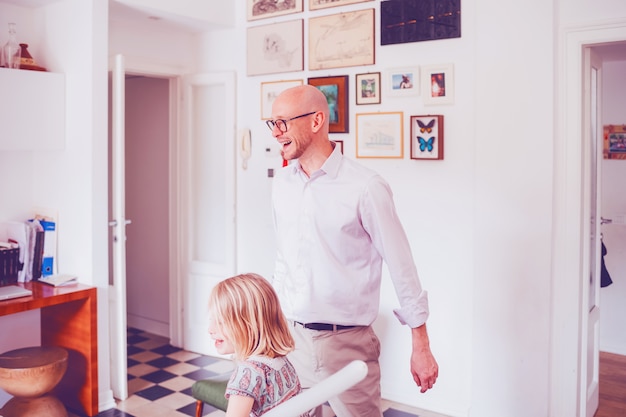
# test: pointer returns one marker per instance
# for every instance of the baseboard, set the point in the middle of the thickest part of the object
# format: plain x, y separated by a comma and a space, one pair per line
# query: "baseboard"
147, 325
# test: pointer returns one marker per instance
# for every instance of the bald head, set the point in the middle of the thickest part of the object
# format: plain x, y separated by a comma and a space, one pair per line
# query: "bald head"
298, 100
306, 136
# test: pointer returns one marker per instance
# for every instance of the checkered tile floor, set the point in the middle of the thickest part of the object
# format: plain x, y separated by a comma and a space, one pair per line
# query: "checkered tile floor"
160, 378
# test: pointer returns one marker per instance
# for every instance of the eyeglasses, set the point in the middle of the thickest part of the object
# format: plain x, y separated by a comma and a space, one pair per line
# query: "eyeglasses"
281, 124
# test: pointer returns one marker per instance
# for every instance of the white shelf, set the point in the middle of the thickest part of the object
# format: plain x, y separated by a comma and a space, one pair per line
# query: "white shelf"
32, 105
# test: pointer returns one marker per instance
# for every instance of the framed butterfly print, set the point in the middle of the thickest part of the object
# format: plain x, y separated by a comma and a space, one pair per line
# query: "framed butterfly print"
427, 137
438, 84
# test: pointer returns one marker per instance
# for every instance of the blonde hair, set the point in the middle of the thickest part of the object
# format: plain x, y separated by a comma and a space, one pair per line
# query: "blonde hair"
249, 314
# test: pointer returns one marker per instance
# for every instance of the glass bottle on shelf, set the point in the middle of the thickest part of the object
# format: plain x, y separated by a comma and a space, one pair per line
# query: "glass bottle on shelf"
11, 52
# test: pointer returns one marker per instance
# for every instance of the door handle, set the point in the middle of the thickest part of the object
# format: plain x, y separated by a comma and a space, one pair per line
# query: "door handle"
113, 223
605, 221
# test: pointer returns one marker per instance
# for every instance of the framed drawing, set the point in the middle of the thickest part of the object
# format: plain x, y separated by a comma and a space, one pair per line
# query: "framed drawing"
341, 40
270, 90
261, 9
403, 81
340, 144
427, 137
614, 142
368, 88
275, 48
336, 91
322, 4
380, 135
403, 21
438, 84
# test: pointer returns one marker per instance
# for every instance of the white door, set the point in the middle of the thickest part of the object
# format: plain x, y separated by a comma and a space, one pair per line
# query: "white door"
117, 285
592, 128
208, 194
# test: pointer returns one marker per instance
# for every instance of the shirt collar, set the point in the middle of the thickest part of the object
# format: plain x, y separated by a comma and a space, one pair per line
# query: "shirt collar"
330, 166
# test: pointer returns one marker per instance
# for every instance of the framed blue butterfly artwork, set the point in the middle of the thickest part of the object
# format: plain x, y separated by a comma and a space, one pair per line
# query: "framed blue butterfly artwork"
427, 137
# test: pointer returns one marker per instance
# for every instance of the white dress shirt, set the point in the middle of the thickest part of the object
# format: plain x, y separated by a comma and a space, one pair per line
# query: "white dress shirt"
333, 231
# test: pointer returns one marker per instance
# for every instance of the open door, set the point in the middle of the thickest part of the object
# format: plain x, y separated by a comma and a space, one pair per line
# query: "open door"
117, 282
592, 126
208, 198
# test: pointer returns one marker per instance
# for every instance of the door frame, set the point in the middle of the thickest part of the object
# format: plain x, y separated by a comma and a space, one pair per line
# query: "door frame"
570, 273
137, 66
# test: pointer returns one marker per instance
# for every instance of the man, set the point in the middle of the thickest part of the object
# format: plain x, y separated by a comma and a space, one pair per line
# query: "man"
335, 223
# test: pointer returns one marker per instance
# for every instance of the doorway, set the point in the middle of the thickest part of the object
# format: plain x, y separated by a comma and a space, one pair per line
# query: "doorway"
147, 204
613, 232
570, 271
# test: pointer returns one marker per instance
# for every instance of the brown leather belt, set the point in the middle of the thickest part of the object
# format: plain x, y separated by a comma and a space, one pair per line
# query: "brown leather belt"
324, 326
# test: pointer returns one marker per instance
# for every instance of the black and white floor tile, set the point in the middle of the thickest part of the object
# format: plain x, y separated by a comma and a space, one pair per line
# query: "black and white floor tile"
160, 378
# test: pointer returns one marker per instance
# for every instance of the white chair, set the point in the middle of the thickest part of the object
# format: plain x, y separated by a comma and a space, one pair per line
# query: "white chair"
321, 392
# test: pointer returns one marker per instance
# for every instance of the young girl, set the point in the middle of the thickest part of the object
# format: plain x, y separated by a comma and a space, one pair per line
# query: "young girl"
247, 321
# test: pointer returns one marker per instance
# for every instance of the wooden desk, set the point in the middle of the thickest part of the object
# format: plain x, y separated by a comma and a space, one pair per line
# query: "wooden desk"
68, 319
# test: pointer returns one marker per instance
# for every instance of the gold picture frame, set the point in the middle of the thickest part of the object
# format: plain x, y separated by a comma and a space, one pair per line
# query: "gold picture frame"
263, 9
275, 48
323, 4
342, 40
380, 135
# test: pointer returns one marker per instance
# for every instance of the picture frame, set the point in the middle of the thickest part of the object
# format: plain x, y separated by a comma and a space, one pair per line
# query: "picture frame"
367, 87
614, 140
262, 9
438, 84
336, 91
342, 40
275, 48
427, 137
403, 21
403, 82
380, 135
340, 144
323, 4
270, 90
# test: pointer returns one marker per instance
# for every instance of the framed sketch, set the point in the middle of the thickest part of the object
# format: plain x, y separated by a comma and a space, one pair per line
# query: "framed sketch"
261, 9
427, 137
336, 91
270, 90
275, 48
368, 88
614, 142
341, 40
380, 135
403, 81
340, 144
322, 4
438, 84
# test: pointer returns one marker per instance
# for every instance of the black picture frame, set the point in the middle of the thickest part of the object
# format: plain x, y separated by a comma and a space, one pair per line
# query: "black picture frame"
403, 21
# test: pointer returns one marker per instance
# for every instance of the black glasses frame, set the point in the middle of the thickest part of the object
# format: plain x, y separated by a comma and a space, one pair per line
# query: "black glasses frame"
281, 124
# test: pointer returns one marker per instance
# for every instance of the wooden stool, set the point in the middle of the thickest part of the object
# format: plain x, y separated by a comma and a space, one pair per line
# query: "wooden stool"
30, 374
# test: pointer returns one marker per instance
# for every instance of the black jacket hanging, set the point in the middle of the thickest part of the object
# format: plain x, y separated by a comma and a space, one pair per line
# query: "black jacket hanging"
605, 278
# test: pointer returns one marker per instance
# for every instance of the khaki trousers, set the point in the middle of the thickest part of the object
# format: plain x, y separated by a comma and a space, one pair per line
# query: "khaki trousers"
319, 354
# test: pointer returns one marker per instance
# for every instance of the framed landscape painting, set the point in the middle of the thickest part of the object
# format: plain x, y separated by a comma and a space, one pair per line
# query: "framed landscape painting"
336, 91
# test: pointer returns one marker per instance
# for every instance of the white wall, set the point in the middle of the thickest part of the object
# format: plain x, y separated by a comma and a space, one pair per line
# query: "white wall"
613, 297
77, 48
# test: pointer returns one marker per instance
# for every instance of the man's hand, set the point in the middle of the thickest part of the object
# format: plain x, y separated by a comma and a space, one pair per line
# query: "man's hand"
424, 367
